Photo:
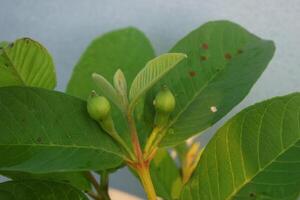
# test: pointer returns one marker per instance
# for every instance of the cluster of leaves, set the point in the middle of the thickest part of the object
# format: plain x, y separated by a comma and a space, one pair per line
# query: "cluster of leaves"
48, 142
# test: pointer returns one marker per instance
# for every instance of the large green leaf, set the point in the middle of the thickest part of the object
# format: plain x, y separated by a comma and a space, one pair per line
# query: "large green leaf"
154, 70
223, 62
76, 179
255, 155
165, 176
39, 190
45, 131
26, 62
127, 49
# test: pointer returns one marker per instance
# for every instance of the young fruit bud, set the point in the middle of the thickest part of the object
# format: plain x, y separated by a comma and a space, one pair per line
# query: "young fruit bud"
164, 104
164, 101
98, 107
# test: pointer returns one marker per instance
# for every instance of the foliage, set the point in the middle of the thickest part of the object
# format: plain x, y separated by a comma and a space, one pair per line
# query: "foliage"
51, 142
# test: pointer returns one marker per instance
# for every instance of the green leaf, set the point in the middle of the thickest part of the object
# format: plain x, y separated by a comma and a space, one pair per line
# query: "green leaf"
127, 49
165, 176
106, 88
223, 63
39, 190
25, 62
76, 179
45, 131
255, 155
154, 70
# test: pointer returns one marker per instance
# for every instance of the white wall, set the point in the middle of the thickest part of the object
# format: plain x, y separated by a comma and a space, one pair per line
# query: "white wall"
66, 27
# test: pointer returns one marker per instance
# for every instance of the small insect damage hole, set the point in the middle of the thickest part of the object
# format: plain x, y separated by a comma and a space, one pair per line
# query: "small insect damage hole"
213, 109
227, 56
204, 46
192, 73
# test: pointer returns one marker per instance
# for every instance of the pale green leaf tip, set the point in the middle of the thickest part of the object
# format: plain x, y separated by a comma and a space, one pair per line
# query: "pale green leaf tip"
95, 76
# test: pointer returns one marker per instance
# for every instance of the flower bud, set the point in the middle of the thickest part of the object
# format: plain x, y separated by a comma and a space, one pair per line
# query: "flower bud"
164, 104
164, 101
98, 107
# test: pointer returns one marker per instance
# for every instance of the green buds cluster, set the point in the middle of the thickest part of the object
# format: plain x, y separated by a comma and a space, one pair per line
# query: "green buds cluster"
99, 109
164, 104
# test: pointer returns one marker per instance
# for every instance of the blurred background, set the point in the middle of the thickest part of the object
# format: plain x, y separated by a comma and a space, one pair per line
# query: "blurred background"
67, 27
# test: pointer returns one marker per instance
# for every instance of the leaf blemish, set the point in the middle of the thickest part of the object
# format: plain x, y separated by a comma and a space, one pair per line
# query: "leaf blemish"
227, 56
205, 46
252, 195
240, 51
213, 109
192, 73
203, 58
11, 45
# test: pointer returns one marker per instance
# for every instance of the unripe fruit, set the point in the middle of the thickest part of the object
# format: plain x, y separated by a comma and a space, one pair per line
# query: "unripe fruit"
164, 104
164, 101
98, 107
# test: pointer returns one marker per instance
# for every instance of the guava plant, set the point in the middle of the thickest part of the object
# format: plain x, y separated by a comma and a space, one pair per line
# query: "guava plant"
125, 107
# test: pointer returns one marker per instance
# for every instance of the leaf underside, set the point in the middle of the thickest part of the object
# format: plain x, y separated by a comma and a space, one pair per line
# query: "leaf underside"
223, 62
25, 62
154, 70
44, 131
255, 155
39, 190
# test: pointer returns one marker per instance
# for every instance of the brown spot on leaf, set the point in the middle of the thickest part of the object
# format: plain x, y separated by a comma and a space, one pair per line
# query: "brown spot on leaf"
192, 73
227, 56
239, 51
205, 46
203, 58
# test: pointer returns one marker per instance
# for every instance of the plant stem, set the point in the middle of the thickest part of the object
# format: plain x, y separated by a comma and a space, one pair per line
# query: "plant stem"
141, 166
145, 177
94, 196
104, 185
93, 181
102, 189
134, 137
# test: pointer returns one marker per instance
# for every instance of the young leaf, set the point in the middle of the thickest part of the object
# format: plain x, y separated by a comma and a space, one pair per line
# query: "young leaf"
39, 190
224, 61
165, 176
255, 155
120, 84
106, 88
45, 131
127, 49
154, 70
25, 62
76, 179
